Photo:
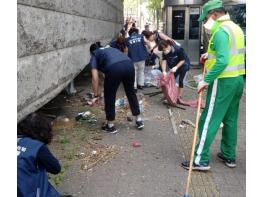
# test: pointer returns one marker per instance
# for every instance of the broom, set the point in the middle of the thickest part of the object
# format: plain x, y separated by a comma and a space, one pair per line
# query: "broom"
194, 140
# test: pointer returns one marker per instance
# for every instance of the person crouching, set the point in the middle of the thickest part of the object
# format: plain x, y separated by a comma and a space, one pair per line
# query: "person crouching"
34, 159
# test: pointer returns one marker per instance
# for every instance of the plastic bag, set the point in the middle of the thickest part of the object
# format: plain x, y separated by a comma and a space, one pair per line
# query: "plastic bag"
152, 77
198, 78
169, 88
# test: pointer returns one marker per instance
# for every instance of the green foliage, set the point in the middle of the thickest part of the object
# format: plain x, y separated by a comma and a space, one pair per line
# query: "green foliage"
64, 140
154, 7
128, 4
70, 155
58, 178
154, 4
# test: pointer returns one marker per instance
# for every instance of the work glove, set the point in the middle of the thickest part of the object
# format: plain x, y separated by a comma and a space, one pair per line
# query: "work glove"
203, 58
174, 69
201, 86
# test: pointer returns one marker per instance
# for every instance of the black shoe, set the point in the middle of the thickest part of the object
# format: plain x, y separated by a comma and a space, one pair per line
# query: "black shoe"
66, 196
140, 87
135, 90
231, 163
140, 124
200, 167
108, 129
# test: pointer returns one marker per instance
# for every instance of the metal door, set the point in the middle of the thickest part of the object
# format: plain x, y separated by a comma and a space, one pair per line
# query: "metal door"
186, 30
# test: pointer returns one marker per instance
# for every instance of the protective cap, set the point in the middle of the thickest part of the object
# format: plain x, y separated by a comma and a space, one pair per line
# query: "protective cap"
208, 6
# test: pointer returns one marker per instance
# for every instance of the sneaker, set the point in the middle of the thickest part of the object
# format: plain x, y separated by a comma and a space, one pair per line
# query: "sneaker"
200, 167
135, 90
108, 129
165, 102
140, 124
66, 196
231, 163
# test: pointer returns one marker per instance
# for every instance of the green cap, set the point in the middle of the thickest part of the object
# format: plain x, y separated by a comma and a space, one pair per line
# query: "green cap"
210, 5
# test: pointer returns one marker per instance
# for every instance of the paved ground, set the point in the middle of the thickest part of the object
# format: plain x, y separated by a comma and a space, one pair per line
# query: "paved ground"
153, 170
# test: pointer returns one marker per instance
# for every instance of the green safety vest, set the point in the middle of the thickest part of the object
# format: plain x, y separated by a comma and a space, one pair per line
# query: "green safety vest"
236, 66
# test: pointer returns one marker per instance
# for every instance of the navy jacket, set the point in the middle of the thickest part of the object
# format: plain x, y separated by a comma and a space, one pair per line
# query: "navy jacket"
175, 56
103, 58
136, 48
32, 179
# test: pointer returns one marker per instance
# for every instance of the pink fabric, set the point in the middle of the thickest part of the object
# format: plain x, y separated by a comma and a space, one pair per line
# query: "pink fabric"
191, 103
169, 88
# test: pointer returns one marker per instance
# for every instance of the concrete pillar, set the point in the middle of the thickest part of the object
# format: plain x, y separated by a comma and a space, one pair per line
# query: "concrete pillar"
53, 39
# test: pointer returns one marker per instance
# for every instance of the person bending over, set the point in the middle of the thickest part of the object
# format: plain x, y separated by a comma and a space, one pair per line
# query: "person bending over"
176, 59
117, 68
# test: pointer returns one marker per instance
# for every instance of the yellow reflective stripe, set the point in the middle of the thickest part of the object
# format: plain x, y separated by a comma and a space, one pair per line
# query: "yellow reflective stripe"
235, 68
232, 35
233, 49
241, 50
233, 52
232, 74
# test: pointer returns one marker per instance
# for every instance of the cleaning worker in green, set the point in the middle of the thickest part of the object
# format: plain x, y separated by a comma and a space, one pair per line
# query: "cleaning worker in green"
224, 78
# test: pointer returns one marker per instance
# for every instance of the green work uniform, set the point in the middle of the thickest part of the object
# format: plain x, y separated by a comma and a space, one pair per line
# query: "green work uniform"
222, 102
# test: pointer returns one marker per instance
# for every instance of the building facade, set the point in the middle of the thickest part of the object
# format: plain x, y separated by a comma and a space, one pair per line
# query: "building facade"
53, 39
180, 22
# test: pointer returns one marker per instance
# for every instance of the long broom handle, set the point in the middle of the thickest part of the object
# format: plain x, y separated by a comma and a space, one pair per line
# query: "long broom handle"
194, 139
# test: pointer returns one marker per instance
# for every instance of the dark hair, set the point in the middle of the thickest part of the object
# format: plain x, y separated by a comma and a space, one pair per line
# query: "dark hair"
123, 32
144, 32
36, 127
164, 43
120, 42
147, 33
220, 10
94, 46
132, 30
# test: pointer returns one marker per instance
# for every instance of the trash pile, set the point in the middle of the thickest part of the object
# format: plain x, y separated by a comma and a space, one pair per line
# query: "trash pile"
123, 108
185, 123
86, 116
121, 102
96, 154
88, 100
62, 122
151, 77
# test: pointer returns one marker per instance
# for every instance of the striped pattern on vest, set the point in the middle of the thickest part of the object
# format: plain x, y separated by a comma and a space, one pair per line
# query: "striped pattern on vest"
236, 66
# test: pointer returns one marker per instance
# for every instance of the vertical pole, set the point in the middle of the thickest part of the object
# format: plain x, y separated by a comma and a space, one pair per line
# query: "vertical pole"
138, 14
194, 141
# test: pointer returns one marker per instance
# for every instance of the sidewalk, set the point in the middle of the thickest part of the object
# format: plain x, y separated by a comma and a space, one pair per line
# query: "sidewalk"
153, 170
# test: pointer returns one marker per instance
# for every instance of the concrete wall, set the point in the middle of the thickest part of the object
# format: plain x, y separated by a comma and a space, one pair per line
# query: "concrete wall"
53, 39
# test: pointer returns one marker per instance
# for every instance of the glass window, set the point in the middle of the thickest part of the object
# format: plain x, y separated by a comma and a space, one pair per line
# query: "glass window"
194, 24
178, 24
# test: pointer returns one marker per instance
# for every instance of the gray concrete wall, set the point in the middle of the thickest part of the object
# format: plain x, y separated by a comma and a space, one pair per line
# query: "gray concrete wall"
53, 39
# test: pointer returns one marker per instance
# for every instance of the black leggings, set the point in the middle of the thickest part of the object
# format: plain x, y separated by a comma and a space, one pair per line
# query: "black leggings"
120, 72
181, 72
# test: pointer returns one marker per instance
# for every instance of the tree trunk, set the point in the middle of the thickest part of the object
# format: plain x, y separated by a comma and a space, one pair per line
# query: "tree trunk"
157, 17
154, 16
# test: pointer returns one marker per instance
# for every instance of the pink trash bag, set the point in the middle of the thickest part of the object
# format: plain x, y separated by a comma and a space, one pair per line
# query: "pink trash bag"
169, 88
191, 103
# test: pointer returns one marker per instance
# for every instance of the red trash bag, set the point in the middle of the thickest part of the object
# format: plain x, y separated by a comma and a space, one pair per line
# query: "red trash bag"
169, 88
